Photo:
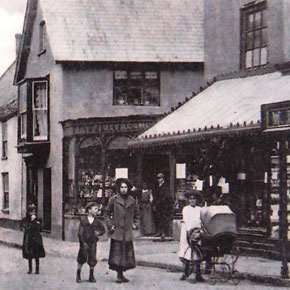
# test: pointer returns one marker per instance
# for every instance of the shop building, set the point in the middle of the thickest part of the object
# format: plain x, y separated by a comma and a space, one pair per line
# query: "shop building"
218, 135
91, 76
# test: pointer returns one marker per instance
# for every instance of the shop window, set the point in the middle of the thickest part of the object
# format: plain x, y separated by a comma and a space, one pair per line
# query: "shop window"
4, 141
136, 88
5, 182
254, 43
39, 110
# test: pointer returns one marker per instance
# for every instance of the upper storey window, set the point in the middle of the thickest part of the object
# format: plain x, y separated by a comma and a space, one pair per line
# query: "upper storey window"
136, 87
42, 37
254, 47
33, 116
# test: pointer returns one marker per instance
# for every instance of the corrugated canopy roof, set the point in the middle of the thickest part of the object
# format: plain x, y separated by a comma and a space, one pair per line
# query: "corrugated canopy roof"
125, 30
229, 101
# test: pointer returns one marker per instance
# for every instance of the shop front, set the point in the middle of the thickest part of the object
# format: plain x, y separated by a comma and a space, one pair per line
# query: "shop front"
217, 145
95, 153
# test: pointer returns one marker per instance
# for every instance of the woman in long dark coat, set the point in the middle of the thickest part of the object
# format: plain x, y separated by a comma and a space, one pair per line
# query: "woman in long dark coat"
32, 241
122, 211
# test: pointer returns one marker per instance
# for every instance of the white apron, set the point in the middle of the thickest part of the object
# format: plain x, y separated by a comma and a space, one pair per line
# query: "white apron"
191, 219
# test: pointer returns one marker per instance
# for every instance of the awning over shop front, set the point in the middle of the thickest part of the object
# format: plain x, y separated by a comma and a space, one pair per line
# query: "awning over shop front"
226, 106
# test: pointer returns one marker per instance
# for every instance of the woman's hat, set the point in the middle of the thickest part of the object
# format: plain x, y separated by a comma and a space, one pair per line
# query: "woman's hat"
90, 205
119, 181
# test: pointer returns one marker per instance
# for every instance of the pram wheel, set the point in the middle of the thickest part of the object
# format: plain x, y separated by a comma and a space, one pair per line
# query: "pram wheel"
236, 277
235, 252
212, 279
223, 272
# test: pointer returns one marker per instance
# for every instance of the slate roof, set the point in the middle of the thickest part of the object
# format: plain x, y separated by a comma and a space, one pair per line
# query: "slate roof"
125, 30
8, 93
222, 105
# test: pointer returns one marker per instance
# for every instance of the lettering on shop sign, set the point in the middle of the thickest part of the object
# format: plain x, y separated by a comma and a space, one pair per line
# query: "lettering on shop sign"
276, 115
103, 128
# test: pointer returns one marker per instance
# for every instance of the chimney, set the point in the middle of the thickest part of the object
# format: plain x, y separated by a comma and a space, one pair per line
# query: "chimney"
18, 38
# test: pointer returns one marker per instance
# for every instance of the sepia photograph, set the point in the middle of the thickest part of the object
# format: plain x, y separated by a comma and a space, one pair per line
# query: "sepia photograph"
144, 144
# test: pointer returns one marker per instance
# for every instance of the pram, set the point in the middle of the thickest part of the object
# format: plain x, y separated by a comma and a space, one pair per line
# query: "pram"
215, 243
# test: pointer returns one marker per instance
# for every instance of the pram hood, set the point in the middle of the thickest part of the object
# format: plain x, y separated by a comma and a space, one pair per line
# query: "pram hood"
218, 220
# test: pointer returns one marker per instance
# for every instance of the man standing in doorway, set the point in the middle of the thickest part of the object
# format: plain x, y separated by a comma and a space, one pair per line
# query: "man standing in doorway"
163, 207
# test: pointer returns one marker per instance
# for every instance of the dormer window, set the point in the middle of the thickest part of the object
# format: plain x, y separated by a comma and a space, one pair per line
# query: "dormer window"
42, 37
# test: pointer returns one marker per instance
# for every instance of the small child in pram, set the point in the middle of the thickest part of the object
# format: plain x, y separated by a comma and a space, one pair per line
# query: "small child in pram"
191, 222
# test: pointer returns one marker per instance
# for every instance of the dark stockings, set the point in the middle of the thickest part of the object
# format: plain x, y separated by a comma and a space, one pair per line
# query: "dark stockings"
36, 266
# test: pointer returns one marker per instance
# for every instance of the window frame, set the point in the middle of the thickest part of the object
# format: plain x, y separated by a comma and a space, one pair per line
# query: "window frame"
253, 9
4, 140
5, 198
138, 83
23, 112
29, 136
34, 109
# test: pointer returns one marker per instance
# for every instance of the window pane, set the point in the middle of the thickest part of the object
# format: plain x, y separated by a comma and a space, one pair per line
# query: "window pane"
151, 75
134, 96
5, 182
250, 21
4, 148
136, 75
23, 98
249, 59
257, 40
264, 18
121, 75
23, 121
258, 19
40, 99
40, 128
151, 95
263, 37
250, 40
120, 94
263, 55
256, 57
4, 131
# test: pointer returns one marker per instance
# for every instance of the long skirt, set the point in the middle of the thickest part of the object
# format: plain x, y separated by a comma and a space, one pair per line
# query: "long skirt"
146, 219
121, 257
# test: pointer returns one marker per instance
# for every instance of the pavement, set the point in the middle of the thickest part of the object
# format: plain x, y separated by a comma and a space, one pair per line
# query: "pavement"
155, 254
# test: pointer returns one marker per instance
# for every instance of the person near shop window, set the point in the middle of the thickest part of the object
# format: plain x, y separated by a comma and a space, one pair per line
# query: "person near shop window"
163, 204
191, 225
122, 213
90, 229
146, 218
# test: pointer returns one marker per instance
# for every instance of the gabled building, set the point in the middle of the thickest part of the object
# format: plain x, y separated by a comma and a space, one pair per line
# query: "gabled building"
91, 76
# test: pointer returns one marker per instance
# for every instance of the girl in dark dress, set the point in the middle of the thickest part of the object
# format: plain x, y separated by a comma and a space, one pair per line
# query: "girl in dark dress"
122, 212
32, 241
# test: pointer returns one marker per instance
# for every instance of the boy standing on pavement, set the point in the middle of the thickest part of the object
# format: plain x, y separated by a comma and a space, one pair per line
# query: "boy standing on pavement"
89, 231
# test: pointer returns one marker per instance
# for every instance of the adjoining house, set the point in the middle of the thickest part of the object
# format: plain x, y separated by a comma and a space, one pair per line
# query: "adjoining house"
91, 76
220, 135
11, 178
